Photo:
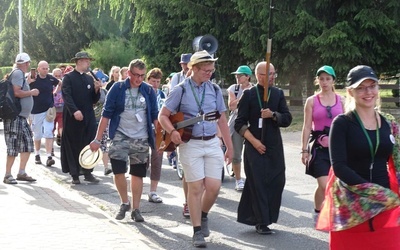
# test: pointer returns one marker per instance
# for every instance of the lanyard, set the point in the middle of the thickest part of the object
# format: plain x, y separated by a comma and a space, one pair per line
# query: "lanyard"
199, 104
133, 99
259, 98
370, 142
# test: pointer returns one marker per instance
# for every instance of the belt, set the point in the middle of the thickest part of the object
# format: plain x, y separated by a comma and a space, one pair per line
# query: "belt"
203, 138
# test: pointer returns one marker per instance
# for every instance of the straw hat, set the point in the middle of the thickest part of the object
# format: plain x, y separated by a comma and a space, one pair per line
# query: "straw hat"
89, 159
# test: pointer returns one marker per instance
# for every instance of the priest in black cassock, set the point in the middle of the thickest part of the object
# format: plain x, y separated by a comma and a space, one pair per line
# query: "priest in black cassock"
80, 92
264, 162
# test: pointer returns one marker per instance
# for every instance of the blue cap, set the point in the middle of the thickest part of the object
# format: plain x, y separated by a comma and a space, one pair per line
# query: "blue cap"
185, 58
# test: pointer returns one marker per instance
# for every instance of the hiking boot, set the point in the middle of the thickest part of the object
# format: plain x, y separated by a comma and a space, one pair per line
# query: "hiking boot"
204, 227
185, 211
37, 159
25, 177
50, 161
239, 185
136, 216
198, 239
91, 178
122, 210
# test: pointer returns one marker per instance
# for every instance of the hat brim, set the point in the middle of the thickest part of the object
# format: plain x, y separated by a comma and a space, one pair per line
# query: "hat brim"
240, 73
356, 84
89, 159
77, 58
192, 63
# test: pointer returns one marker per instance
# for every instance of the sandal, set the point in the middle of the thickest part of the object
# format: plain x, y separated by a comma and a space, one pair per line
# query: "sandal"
9, 180
153, 197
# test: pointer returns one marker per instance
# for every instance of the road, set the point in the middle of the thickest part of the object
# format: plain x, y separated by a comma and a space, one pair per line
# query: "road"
165, 227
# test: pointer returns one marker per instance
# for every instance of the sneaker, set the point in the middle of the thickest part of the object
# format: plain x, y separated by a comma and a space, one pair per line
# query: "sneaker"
185, 211
204, 227
239, 185
25, 177
136, 216
263, 229
122, 210
50, 161
9, 180
91, 178
153, 197
37, 159
107, 171
198, 239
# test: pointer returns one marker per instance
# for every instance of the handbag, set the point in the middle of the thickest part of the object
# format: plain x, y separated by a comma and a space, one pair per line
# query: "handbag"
51, 114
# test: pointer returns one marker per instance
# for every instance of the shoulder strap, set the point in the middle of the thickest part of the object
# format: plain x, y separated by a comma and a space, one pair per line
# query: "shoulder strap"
236, 92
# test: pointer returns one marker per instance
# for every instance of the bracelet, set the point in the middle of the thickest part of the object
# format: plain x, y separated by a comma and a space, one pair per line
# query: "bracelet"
172, 131
304, 151
96, 141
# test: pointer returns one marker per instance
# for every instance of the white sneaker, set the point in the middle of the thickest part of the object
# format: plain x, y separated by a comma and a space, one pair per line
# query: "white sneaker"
239, 185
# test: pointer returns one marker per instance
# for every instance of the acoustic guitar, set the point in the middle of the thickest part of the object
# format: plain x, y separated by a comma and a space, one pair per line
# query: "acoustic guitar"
163, 139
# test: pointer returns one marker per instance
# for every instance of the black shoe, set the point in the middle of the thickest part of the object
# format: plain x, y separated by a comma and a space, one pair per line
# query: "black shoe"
58, 140
76, 181
91, 178
37, 159
263, 229
136, 216
50, 161
122, 210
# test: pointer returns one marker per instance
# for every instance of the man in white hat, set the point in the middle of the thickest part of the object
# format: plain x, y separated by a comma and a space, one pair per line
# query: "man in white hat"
17, 133
201, 157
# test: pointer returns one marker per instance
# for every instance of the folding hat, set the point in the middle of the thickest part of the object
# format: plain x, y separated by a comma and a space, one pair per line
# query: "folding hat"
360, 73
89, 159
327, 69
200, 56
243, 70
82, 55
22, 58
185, 58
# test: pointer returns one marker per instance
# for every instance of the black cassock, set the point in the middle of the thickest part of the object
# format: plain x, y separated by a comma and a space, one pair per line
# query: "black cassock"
78, 94
265, 174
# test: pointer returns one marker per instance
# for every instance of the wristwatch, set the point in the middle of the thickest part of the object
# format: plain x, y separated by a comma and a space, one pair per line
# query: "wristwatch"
273, 116
96, 141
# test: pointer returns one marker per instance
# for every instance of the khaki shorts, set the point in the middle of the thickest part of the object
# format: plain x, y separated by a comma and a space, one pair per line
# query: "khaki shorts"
201, 159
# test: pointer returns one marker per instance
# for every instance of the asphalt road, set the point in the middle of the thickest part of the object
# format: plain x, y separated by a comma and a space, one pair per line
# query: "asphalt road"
166, 228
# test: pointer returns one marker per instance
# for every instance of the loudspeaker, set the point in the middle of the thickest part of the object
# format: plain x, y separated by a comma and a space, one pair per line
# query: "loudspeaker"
206, 42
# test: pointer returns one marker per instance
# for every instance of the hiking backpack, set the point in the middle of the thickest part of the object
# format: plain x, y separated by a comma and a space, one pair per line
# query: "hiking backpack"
10, 107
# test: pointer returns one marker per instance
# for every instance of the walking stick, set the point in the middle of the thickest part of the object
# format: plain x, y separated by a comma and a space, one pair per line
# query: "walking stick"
268, 60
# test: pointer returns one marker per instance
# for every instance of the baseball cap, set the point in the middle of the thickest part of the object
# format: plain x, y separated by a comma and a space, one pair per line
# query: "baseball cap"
200, 56
243, 69
22, 58
327, 69
360, 73
185, 58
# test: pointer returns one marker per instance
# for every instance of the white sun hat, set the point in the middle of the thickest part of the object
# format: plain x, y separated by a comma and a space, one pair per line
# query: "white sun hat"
89, 159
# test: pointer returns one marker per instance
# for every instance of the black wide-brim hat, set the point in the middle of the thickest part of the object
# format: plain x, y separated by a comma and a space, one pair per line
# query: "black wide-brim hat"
82, 55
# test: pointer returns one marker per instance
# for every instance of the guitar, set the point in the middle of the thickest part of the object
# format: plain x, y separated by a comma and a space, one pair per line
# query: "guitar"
163, 139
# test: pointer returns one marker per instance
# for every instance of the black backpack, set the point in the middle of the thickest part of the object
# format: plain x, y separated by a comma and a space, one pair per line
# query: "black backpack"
10, 107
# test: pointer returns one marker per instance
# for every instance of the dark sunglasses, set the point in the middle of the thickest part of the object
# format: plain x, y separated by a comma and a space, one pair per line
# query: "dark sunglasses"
329, 113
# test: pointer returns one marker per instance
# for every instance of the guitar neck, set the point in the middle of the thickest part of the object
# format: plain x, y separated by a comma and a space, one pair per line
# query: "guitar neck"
189, 122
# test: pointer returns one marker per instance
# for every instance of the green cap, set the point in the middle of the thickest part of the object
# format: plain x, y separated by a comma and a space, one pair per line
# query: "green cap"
245, 70
327, 69
171, 75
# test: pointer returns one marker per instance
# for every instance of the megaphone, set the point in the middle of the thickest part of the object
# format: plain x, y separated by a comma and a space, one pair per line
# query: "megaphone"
206, 42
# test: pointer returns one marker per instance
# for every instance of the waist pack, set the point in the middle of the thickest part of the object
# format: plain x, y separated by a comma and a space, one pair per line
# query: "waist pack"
10, 106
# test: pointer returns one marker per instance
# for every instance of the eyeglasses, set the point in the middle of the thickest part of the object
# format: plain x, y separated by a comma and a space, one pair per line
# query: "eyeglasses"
364, 89
208, 71
138, 75
329, 113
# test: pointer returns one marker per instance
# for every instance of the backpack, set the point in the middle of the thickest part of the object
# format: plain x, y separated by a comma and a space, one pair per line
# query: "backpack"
10, 107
